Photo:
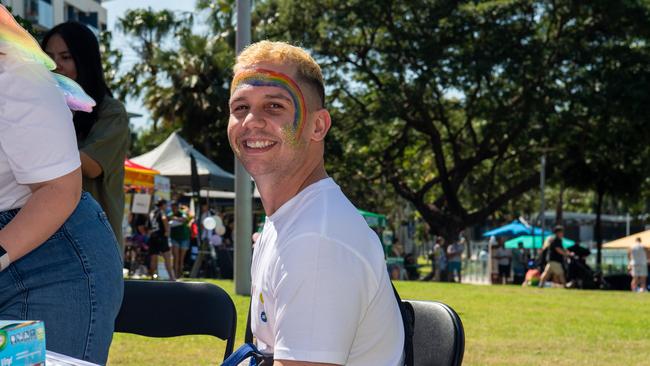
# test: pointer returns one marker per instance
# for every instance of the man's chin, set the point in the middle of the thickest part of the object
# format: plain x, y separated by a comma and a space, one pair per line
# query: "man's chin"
257, 169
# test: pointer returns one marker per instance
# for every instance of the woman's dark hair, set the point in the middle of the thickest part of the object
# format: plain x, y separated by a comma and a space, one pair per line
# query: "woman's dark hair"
84, 49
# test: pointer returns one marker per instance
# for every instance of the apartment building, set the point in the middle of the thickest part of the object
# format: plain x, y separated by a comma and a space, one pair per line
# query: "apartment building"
45, 14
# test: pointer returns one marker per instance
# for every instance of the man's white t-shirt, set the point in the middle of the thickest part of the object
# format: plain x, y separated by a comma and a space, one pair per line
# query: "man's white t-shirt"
321, 291
37, 138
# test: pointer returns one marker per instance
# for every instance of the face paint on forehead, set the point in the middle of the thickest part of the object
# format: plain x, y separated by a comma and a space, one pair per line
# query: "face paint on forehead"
264, 77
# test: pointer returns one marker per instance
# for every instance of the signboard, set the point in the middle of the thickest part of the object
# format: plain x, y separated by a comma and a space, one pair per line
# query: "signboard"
162, 188
141, 203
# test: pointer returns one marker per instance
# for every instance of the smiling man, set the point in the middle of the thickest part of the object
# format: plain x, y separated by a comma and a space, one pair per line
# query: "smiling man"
321, 293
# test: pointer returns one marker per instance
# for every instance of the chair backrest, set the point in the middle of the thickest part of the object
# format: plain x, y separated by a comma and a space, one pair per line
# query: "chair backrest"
170, 309
438, 336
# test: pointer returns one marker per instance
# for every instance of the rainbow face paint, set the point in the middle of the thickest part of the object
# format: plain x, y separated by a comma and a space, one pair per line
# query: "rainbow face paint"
22, 44
264, 77
75, 96
13, 34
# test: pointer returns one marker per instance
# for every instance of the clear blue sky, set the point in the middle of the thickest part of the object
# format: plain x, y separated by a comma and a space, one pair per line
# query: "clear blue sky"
117, 8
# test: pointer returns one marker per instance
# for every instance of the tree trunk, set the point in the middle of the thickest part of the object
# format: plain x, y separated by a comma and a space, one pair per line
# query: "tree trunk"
598, 235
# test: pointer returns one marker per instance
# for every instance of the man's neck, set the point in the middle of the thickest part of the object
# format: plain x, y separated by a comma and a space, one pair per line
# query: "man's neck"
276, 192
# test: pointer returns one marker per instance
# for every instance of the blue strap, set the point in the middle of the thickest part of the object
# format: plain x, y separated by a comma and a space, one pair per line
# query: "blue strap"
241, 354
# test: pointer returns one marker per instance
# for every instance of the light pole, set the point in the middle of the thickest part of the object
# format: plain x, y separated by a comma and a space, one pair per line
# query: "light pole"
542, 178
243, 188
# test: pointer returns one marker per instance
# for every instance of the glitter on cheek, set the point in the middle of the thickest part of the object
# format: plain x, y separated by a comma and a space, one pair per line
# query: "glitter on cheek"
290, 136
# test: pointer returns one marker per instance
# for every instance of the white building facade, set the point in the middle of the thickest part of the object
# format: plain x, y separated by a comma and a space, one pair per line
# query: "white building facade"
45, 14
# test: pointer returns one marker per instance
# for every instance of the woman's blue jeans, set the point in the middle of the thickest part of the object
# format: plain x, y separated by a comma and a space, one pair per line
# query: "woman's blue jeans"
72, 282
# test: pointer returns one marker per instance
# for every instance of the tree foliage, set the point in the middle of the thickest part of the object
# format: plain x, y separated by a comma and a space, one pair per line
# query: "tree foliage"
447, 104
451, 102
181, 75
607, 103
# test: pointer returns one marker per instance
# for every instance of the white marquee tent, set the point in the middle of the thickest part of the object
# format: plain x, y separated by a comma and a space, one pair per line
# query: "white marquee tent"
172, 159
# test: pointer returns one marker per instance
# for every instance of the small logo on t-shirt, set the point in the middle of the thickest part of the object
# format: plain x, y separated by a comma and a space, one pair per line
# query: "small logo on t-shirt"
261, 298
263, 317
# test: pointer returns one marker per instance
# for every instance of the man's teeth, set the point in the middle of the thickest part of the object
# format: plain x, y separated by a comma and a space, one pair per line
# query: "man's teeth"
258, 144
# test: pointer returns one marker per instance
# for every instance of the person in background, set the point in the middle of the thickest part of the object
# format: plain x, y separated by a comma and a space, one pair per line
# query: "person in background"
225, 252
440, 258
483, 257
638, 266
519, 264
504, 258
59, 259
103, 134
206, 212
555, 255
454, 259
179, 234
159, 240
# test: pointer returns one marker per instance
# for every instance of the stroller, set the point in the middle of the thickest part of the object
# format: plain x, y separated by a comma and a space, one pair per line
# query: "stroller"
581, 276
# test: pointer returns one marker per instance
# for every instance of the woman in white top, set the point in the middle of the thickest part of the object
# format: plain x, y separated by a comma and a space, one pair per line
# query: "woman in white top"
59, 261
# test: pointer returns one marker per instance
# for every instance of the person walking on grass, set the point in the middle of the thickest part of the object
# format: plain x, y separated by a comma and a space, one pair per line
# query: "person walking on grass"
555, 255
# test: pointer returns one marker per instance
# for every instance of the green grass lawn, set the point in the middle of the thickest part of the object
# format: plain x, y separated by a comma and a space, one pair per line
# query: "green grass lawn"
504, 325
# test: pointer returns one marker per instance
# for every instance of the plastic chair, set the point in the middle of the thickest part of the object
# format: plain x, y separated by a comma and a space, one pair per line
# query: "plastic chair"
439, 338
170, 309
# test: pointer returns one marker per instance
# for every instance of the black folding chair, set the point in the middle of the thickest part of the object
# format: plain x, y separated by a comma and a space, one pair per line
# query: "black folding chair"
170, 309
439, 338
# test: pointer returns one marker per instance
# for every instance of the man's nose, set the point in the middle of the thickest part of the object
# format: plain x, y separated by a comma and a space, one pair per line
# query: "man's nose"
254, 119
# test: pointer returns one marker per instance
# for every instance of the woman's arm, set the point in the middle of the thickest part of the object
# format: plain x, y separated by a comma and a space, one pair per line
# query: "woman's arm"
89, 167
50, 204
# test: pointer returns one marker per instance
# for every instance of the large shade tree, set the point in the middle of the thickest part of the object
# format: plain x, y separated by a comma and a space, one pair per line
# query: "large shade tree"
451, 103
448, 102
607, 104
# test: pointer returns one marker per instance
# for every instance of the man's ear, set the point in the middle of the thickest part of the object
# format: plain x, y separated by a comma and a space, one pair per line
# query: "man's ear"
322, 124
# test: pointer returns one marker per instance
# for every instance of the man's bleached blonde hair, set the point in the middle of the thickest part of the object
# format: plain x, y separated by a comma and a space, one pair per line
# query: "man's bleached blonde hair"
307, 70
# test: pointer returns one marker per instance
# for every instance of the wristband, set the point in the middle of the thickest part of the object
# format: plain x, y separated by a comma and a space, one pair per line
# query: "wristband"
4, 259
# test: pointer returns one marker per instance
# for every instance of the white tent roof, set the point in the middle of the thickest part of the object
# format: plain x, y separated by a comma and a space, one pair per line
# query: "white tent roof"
172, 159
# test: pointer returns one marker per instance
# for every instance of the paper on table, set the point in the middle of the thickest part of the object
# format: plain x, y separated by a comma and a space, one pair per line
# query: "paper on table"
57, 359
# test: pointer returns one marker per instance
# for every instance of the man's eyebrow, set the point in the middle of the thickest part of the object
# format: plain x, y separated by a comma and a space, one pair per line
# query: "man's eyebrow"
266, 96
278, 96
238, 99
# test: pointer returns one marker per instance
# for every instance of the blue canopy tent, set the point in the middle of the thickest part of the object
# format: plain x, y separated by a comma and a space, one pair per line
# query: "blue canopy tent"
515, 228
535, 242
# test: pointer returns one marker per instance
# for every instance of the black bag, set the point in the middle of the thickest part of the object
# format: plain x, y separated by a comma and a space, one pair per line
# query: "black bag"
408, 321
